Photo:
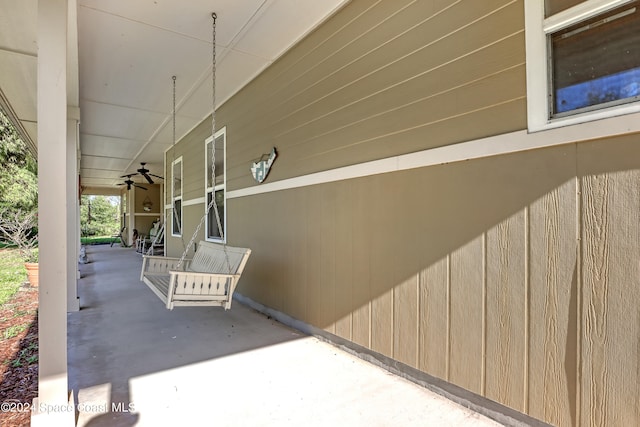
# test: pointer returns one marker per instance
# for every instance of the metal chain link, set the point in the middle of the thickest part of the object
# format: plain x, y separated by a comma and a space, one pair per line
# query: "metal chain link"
212, 203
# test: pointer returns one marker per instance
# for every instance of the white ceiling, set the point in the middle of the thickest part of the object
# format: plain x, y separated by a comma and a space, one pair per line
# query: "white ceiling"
128, 52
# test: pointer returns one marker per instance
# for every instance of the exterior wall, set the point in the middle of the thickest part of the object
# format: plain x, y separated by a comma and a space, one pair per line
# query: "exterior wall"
382, 78
435, 267
513, 276
191, 149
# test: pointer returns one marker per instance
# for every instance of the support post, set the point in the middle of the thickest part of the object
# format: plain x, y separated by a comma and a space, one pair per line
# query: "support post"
52, 405
73, 120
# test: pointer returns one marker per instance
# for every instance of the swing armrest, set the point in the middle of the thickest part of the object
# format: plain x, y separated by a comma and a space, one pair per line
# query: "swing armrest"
159, 265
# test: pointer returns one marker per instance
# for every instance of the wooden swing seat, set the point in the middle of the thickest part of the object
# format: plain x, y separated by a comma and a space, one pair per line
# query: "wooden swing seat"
209, 279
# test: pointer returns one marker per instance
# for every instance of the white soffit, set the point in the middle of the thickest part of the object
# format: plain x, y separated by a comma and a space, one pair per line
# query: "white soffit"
19, 78
103, 146
135, 68
118, 121
127, 53
108, 163
18, 21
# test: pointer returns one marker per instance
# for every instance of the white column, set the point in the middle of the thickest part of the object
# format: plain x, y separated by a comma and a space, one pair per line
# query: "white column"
131, 200
53, 398
73, 120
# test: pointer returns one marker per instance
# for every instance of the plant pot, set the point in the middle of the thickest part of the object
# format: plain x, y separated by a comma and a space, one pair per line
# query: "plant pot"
32, 273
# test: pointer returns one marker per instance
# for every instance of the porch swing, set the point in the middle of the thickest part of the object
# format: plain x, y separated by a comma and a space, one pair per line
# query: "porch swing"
210, 278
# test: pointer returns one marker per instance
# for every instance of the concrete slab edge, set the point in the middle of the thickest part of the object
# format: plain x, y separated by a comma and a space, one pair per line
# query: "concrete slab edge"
489, 408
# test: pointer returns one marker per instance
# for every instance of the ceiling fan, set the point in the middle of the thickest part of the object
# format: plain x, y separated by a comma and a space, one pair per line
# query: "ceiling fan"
145, 172
129, 182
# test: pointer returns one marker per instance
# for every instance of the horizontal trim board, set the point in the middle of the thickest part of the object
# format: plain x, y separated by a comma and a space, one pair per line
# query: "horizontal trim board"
198, 201
185, 203
578, 13
512, 142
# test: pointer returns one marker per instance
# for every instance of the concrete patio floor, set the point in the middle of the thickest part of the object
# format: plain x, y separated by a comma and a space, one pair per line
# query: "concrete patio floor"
132, 362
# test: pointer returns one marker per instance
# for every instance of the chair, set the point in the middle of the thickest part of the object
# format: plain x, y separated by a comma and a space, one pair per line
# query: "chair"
156, 245
116, 237
146, 242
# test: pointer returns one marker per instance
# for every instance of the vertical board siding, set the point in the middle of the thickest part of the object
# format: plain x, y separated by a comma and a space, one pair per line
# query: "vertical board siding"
405, 322
329, 211
432, 351
465, 336
294, 263
470, 272
506, 311
382, 194
610, 212
343, 250
362, 264
553, 297
313, 253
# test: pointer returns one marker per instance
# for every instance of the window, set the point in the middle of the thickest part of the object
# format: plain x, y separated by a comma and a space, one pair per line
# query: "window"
176, 197
583, 60
216, 186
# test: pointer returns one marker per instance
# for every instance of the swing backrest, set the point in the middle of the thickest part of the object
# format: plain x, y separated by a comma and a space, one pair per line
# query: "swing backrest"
215, 258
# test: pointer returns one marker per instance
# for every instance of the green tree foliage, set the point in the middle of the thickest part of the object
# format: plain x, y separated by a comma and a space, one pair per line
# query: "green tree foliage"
99, 215
18, 171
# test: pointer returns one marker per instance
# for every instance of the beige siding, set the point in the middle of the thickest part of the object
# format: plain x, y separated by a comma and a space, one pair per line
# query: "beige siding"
361, 262
471, 272
506, 310
610, 319
191, 149
513, 276
191, 216
553, 304
383, 78
465, 316
343, 272
433, 326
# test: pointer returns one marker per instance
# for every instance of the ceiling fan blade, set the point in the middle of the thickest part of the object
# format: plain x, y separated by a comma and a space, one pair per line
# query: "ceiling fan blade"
147, 177
157, 176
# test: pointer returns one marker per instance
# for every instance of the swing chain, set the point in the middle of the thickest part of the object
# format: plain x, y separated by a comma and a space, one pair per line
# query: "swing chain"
212, 203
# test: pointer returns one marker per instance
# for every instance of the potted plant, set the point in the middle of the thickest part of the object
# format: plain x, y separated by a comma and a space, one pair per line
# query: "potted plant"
20, 228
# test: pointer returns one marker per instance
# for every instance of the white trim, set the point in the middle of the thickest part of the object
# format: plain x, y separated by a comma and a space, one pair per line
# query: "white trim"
537, 57
536, 65
192, 202
579, 12
175, 198
208, 189
513, 142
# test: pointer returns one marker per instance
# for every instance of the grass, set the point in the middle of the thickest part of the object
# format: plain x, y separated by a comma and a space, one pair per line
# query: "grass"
14, 331
27, 356
97, 240
12, 273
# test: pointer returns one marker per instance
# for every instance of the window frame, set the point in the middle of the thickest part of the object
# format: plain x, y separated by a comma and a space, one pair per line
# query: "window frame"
212, 189
538, 59
174, 198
